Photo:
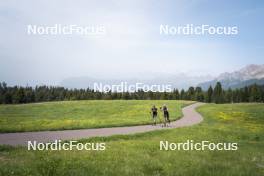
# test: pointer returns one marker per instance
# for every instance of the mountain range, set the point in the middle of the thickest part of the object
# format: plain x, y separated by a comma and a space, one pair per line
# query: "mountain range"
246, 76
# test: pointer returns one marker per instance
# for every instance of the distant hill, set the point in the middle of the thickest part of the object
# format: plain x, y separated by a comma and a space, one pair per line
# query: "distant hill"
246, 76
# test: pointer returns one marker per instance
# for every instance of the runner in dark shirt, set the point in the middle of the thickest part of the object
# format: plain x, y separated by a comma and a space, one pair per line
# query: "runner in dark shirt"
154, 112
166, 114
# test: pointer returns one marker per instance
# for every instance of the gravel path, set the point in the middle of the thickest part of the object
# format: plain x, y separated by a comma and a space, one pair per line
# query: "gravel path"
190, 117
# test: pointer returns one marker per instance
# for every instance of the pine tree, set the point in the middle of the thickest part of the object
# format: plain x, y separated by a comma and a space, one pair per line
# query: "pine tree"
199, 96
176, 94
191, 93
255, 93
182, 95
229, 96
209, 94
218, 93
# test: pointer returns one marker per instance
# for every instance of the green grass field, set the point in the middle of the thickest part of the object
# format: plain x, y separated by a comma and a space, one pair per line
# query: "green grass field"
140, 155
81, 114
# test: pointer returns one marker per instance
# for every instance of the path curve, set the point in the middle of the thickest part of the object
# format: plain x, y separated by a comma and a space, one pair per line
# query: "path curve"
190, 117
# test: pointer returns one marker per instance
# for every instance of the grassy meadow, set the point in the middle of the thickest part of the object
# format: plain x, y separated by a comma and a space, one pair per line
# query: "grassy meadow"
81, 114
139, 154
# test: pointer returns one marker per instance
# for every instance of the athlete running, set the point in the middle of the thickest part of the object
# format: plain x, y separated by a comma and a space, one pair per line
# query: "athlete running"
154, 112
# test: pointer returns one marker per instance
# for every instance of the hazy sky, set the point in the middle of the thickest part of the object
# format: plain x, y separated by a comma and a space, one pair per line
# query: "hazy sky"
132, 45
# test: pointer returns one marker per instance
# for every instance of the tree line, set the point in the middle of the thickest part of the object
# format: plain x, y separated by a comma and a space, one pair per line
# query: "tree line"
19, 94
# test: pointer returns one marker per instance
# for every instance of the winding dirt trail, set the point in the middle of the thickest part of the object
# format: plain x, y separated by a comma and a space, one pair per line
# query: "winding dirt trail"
190, 117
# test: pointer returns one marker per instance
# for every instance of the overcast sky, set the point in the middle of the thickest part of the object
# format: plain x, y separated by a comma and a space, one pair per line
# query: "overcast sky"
132, 45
